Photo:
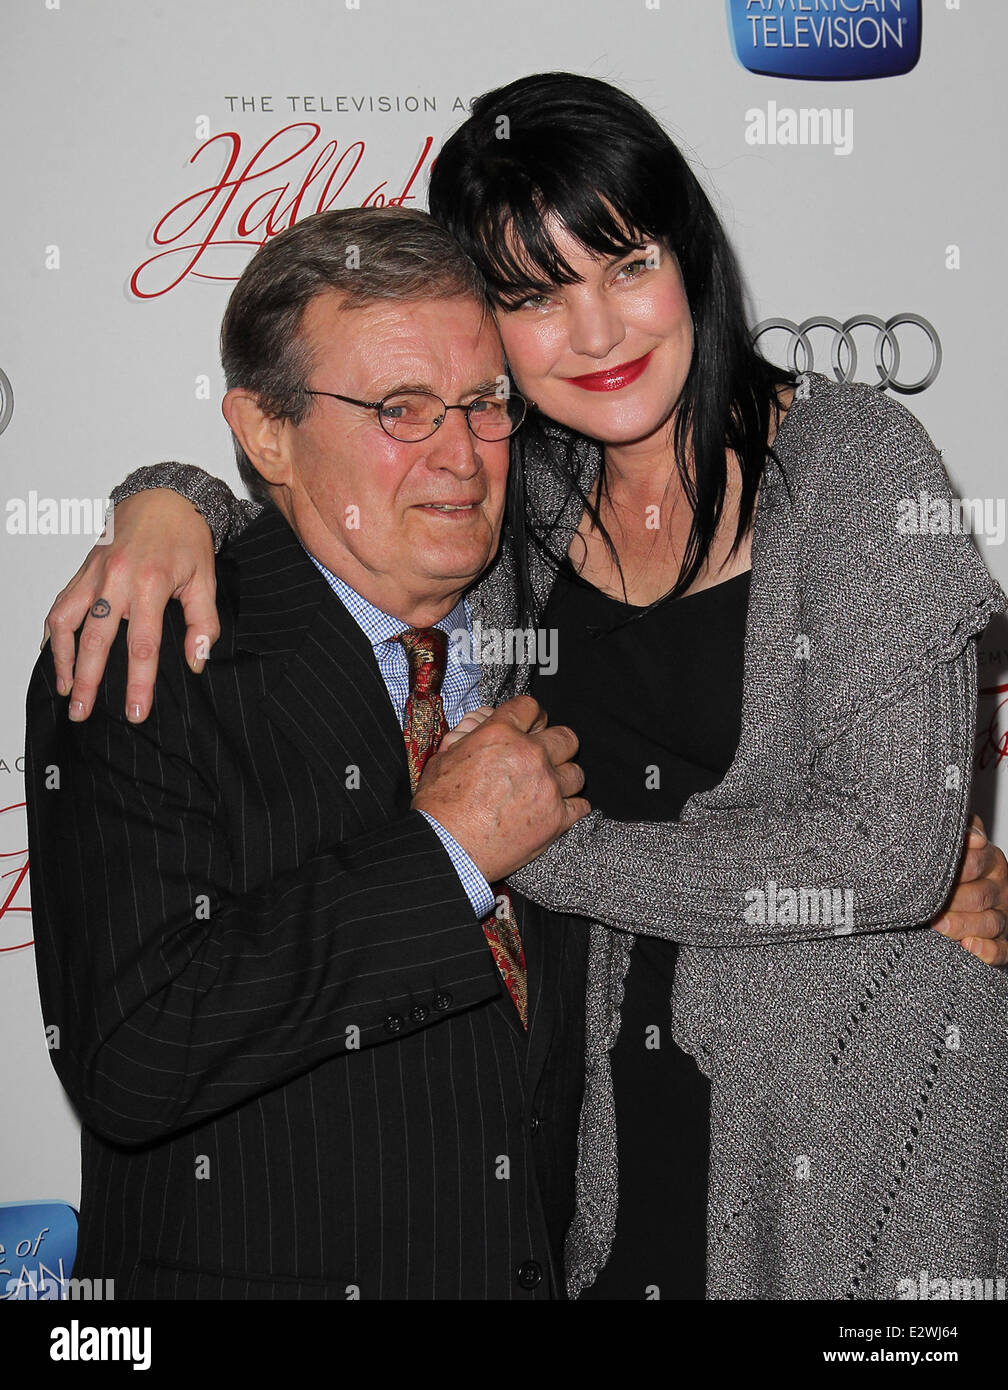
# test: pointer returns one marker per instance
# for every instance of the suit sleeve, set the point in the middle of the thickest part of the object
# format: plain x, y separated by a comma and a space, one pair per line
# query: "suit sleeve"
176, 997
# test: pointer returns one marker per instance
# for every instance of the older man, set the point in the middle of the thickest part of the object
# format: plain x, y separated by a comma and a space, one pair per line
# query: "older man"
314, 1053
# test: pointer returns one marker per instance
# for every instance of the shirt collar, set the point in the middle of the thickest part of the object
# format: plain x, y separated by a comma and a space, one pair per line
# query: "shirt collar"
378, 627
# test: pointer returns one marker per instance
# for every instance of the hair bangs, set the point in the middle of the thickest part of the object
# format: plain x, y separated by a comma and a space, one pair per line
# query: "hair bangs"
515, 247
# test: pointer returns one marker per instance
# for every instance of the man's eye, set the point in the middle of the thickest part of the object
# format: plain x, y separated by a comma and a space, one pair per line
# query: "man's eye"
632, 269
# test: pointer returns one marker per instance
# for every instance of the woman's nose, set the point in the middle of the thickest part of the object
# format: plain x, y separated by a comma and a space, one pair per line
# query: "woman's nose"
594, 328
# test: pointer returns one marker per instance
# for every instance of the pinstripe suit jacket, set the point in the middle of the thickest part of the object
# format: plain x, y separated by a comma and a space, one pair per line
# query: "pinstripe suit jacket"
298, 1073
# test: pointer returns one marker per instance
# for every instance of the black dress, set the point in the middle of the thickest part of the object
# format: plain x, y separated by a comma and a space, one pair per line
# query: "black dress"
656, 704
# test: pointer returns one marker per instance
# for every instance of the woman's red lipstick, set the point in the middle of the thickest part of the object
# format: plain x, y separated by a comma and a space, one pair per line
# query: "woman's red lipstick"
615, 378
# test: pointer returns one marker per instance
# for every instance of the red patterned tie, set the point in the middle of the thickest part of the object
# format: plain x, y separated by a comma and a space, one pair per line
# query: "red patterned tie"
425, 726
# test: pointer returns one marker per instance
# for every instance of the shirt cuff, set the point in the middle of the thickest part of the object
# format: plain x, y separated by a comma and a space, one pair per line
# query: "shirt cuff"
478, 891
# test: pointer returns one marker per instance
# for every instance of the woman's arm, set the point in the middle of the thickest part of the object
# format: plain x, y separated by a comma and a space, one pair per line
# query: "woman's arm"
871, 841
853, 774
156, 547
225, 514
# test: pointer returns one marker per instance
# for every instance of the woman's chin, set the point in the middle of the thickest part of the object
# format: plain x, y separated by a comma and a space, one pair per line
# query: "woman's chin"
616, 428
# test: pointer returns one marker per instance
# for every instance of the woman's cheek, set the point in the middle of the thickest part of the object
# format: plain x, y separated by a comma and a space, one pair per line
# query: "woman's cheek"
530, 352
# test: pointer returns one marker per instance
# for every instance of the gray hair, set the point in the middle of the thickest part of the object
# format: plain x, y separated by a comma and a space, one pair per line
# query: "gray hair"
367, 255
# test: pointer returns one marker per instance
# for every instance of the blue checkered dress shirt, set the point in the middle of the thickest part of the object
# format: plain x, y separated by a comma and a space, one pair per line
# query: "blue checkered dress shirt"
459, 692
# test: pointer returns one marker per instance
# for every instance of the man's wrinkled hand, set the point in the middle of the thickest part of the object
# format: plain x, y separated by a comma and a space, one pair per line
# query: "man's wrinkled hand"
977, 912
506, 788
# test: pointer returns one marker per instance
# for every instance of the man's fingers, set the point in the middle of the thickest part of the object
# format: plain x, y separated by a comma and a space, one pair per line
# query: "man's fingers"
522, 712
975, 896
575, 808
960, 926
559, 742
978, 860
571, 779
990, 952
977, 833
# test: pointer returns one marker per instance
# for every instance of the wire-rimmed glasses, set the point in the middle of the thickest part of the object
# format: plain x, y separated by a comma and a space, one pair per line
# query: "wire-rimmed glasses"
411, 416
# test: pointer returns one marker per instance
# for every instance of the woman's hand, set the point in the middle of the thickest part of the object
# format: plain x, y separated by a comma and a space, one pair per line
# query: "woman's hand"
465, 726
977, 912
468, 722
162, 549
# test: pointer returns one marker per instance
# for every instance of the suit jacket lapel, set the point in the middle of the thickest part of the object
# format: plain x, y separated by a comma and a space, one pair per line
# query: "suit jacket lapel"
542, 938
330, 700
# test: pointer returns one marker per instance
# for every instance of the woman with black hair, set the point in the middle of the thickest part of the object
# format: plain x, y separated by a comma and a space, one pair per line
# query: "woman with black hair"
627, 263
772, 687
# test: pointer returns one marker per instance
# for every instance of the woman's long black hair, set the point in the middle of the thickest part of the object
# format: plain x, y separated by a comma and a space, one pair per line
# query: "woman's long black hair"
589, 155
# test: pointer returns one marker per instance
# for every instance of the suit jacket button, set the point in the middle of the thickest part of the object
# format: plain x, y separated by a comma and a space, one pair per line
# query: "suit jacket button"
530, 1274
534, 1123
393, 1023
442, 1001
418, 1013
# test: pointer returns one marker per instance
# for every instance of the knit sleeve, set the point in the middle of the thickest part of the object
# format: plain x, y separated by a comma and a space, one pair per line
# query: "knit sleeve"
871, 841
224, 513
866, 832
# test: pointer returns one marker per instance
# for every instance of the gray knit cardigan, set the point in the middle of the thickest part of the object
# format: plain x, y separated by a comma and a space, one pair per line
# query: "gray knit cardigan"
858, 1063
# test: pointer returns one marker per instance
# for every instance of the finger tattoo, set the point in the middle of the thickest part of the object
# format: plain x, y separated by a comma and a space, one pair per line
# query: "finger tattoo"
101, 608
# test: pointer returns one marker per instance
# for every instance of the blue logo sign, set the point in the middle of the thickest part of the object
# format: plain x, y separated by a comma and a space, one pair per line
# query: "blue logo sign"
38, 1242
826, 40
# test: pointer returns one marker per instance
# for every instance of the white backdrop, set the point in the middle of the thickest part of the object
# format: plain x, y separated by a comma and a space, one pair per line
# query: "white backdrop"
108, 359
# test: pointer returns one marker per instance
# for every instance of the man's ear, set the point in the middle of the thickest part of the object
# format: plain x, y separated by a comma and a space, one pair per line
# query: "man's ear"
262, 436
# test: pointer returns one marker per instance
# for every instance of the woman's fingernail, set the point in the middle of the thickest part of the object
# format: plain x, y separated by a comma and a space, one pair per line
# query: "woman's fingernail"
133, 713
944, 925
977, 835
971, 944
76, 709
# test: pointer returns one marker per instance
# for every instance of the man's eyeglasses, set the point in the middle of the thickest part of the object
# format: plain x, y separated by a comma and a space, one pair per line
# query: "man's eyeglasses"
414, 415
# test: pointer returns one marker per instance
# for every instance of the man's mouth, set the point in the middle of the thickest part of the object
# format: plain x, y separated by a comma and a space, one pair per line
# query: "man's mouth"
447, 507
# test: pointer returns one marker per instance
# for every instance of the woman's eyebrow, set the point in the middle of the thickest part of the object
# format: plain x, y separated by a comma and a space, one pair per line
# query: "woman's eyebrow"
630, 251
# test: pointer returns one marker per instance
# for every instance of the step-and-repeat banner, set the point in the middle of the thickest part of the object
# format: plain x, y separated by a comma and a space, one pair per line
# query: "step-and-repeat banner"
852, 147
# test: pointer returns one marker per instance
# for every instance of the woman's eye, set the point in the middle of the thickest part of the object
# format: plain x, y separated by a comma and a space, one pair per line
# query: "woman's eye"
632, 269
531, 301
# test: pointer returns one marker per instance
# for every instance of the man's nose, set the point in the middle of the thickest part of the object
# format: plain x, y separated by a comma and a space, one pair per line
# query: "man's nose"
454, 446
594, 327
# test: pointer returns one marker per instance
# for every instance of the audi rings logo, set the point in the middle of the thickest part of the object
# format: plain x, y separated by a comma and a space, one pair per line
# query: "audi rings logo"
6, 400
906, 349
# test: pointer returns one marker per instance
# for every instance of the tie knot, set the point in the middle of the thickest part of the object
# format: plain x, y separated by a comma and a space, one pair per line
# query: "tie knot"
427, 654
